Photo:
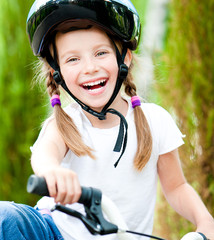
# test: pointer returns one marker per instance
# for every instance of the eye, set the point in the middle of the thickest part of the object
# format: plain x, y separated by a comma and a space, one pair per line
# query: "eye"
101, 53
73, 59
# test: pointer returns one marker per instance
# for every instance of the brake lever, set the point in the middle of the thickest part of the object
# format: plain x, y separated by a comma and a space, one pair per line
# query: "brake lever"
94, 219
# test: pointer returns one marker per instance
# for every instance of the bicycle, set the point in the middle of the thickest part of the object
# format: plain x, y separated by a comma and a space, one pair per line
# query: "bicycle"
95, 203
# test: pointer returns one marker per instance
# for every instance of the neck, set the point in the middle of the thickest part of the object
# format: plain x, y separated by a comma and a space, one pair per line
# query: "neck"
111, 120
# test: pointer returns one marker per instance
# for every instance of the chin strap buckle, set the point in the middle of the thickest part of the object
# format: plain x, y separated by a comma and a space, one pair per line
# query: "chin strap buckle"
123, 71
58, 78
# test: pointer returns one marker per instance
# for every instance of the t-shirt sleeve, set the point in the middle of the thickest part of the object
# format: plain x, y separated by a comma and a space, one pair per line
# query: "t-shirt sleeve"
170, 136
165, 132
41, 134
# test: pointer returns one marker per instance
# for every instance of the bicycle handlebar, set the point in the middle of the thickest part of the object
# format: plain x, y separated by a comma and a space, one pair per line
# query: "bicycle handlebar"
38, 185
90, 198
94, 220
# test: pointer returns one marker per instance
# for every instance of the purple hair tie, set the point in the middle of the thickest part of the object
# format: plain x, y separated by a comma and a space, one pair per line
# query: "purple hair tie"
135, 101
55, 99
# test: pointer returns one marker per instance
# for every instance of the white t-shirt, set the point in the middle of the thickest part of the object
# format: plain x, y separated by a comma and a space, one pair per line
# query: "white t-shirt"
132, 191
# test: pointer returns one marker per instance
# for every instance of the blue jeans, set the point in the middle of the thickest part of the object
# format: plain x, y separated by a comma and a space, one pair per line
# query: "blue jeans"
19, 221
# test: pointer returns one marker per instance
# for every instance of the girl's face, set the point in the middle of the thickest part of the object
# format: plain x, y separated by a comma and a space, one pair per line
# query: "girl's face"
88, 64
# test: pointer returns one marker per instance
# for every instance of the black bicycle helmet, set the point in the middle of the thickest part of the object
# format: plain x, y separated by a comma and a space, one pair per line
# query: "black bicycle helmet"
118, 17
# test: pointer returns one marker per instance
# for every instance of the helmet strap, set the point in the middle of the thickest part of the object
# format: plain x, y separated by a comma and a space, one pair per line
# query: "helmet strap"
122, 74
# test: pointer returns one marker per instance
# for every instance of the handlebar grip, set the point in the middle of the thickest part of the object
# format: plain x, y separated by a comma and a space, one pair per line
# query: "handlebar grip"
38, 185
86, 195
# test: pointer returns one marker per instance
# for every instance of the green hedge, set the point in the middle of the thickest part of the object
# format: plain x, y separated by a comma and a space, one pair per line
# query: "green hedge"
22, 108
186, 86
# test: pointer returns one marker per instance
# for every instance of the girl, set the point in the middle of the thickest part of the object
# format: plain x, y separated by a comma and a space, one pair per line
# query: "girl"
103, 140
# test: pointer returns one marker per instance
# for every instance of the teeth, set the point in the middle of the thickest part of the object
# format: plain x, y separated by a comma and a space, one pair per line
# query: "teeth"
90, 84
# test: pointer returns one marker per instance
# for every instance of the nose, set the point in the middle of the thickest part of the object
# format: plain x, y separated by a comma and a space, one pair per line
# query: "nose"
90, 65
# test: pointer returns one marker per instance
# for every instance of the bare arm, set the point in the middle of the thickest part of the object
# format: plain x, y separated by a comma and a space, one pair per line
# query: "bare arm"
62, 183
181, 196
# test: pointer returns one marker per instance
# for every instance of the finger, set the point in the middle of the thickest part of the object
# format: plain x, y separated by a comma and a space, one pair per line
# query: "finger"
61, 189
70, 191
73, 189
77, 190
51, 183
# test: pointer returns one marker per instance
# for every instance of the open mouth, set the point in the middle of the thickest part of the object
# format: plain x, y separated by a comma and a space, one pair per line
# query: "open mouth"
94, 85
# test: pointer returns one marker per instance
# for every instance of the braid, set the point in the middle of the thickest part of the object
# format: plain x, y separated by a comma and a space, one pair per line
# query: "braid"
65, 124
144, 137
52, 86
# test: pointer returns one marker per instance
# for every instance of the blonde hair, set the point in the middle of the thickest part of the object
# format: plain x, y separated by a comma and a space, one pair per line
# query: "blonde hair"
144, 137
71, 135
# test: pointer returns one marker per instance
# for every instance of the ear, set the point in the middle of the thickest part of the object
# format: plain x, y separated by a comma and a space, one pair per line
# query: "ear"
128, 57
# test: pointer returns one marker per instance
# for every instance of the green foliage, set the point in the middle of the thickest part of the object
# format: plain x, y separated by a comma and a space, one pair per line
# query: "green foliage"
186, 80
141, 7
21, 106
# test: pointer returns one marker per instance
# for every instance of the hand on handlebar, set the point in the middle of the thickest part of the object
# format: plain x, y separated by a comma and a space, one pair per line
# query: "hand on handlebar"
63, 185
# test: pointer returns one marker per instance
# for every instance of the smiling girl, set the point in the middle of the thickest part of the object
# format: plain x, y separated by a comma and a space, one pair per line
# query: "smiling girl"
103, 140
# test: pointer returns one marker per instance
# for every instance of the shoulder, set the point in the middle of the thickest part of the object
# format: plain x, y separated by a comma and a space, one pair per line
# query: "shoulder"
77, 115
152, 110
163, 126
75, 112
158, 118
72, 109
150, 106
